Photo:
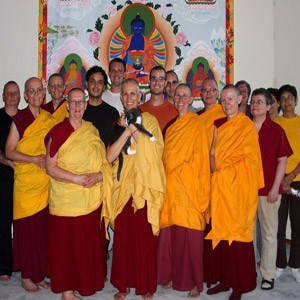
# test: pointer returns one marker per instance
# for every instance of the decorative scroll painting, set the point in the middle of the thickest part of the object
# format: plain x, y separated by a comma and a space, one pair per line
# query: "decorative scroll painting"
195, 38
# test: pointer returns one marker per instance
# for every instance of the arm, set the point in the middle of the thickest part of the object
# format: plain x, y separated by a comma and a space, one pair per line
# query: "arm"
87, 180
13, 154
5, 161
273, 193
115, 149
212, 152
288, 179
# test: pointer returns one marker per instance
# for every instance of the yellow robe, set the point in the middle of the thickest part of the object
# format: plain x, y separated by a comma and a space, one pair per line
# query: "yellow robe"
61, 113
142, 176
235, 183
31, 182
186, 159
208, 117
83, 152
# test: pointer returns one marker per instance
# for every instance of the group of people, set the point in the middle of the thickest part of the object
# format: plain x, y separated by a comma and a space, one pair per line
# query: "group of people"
184, 208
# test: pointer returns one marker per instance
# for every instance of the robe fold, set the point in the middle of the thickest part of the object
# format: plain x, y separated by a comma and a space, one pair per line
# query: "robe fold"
61, 112
208, 117
83, 152
31, 182
142, 176
186, 159
236, 181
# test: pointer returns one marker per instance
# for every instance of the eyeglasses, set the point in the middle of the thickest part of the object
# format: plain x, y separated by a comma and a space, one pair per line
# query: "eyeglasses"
33, 92
169, 83
258, 102
75, 103
288, 97
56, 86
183, 97
157, 78
211, 90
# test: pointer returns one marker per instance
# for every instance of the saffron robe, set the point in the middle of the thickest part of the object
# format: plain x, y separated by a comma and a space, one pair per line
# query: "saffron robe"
31, 182
235, 183
186, 159
61, 111
83, 152
142, 176
208, 117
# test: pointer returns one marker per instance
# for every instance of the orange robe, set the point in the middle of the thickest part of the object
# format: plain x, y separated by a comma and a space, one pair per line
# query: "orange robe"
208, 117
186, 159
236, 181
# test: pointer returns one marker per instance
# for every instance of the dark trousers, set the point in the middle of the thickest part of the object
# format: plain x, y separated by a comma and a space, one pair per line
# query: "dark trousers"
290, 205
6, 219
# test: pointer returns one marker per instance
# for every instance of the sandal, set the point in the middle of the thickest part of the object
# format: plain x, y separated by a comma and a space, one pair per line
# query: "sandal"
267, 284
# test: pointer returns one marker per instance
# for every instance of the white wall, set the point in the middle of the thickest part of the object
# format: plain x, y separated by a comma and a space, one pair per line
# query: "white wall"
19, 47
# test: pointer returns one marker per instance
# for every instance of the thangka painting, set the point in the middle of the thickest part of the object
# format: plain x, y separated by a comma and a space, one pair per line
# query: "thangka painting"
193, 37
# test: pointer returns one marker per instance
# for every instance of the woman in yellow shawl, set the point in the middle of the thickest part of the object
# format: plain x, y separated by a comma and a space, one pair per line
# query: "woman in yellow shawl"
80, 189
25, 146
184, 214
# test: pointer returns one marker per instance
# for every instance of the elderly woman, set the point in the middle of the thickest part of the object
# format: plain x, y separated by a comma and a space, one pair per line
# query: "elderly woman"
185, 211
290, 205
137, 200
237, 175
80, 190
25, 146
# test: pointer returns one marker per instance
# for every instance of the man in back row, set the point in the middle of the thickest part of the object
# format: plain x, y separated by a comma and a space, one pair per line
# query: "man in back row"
101, 114
117, 73
162, 109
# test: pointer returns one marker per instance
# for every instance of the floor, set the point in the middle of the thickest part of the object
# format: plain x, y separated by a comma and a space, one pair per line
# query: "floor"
285, 288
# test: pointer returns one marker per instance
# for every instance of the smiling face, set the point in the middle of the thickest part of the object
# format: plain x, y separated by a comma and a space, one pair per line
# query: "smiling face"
210, 93
34, 93
56, 88
157, 82
130, 95
116, 73
76, 104
182, 99
95, 85
230, 101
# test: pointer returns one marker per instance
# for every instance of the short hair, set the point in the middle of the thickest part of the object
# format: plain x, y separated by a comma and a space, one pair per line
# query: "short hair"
74, 90
186, 86
209, 79
130, 80
287, 88
7, 84
231, 86
158, 68
263, 92
247, 85
96, 69
274, 92
55, 75
172, 72
119, 60
29, 79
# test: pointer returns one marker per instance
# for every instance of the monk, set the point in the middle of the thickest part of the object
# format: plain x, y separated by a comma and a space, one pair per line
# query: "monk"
80, 191
212, 110
57, 106
137, 200
185, 209
237, 176
25, 146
